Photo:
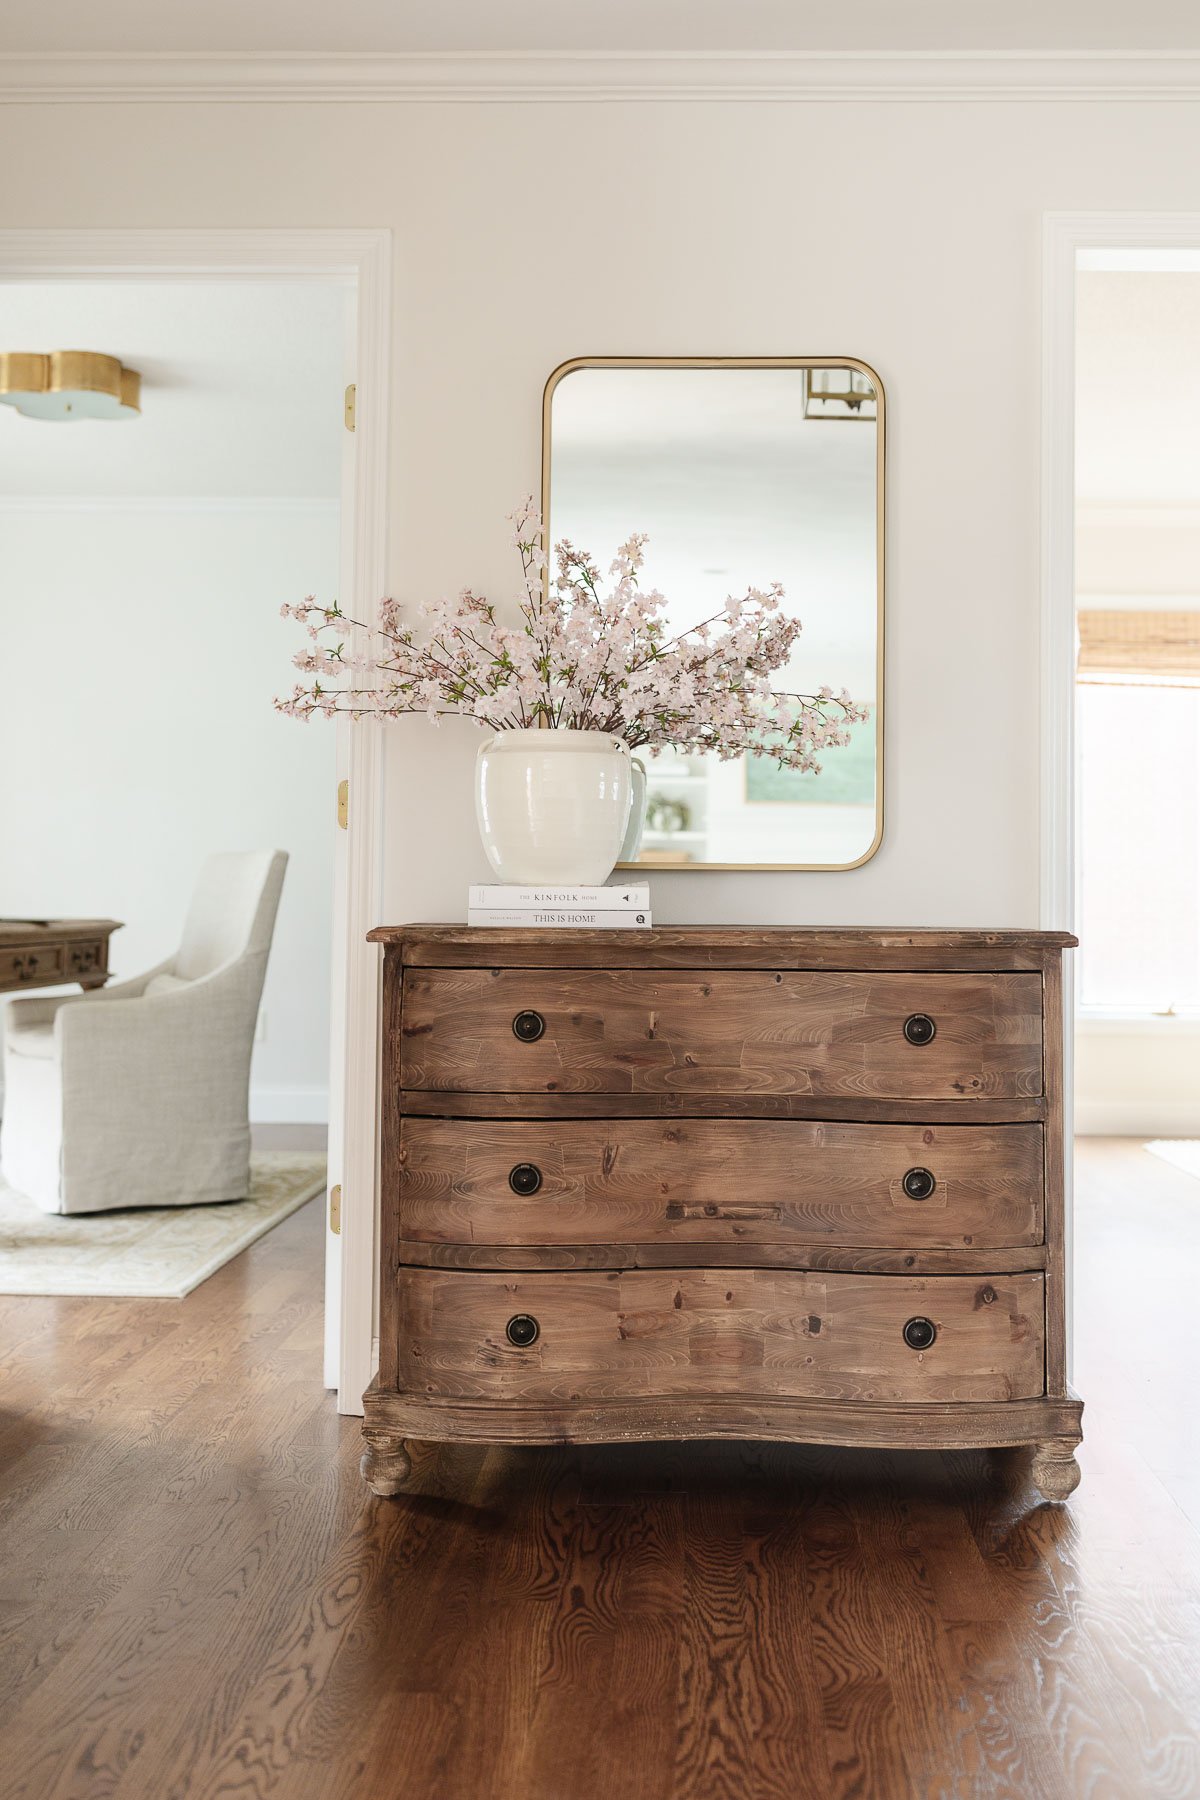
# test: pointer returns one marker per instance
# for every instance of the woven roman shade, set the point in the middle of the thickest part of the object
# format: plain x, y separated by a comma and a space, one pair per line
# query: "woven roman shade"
1139, 648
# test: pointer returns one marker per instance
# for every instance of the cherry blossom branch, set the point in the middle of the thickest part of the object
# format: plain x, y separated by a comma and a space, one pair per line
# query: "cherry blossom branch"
580, 658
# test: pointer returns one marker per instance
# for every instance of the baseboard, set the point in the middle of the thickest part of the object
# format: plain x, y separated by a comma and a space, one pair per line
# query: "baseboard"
1137, 1118
289, 1106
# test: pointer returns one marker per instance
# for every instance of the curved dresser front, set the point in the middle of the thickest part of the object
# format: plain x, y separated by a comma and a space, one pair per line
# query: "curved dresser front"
801, 1185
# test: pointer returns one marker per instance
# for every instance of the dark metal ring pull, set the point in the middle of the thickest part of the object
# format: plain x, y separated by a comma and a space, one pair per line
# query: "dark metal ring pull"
919, 1028
919, 1184
528, 1026
919, 1333
522, 1330
525, 1178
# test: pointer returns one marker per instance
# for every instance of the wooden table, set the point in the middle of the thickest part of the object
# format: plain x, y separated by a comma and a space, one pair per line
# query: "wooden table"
50, 952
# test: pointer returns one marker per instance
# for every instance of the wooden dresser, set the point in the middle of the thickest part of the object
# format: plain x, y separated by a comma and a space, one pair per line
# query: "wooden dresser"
692, 1183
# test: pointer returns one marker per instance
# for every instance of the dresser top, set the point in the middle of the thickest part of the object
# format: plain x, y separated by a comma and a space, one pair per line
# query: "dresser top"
761, 946
23, 930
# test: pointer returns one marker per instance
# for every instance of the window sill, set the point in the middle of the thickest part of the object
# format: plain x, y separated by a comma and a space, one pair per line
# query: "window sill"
1098, 1023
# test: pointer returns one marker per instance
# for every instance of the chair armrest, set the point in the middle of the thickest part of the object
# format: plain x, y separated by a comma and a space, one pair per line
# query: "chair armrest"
40, 1009
32, 1009
187, 1048
132, 989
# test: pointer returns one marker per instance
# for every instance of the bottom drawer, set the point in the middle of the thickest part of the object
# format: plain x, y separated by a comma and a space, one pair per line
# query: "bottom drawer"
589, 1336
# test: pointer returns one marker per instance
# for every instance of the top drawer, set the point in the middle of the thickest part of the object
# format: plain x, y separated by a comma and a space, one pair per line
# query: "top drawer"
39, 964
636, 1031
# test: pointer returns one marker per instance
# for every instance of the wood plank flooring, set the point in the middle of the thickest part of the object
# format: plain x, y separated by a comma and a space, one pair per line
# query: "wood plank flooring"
199, 1600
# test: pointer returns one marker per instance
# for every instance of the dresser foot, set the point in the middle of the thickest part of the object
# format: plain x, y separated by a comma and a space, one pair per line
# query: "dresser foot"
1055, 1472
386, 1464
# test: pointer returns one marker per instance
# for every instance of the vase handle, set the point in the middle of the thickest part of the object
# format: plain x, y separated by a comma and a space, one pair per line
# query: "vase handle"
632, 841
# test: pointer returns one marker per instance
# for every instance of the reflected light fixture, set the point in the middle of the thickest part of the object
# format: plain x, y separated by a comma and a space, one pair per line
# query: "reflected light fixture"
838, 394
69, 384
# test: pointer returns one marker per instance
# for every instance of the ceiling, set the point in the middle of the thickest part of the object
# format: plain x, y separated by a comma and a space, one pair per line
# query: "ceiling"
1138, 389
484, 26
241, 389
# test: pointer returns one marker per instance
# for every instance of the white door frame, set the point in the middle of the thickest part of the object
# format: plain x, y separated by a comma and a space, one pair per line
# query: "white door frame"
365, 256
1064, 236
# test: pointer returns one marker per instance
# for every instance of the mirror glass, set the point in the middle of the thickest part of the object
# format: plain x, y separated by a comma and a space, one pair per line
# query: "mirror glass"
741, 473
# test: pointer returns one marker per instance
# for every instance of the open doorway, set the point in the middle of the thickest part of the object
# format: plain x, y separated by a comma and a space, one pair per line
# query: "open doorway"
193, 551
1137, 584
1121, 796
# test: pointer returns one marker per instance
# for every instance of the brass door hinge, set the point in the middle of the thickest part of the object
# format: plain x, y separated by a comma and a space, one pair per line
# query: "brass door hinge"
343, 804
335, 1210
351, 396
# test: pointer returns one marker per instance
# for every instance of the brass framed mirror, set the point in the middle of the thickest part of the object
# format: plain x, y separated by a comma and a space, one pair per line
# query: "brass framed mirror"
742, 471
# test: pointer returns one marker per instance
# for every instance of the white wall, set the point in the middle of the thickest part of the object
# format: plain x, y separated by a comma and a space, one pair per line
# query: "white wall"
527, 233
142, 650
1137, 1080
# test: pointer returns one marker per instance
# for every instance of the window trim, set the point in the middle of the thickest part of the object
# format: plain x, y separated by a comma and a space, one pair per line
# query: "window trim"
1112, 1021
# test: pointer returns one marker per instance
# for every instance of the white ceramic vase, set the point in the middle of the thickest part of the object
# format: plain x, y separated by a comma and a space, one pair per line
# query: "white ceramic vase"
553, 806
632, 842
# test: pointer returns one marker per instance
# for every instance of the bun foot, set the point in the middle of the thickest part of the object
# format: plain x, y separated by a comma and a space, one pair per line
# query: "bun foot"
1055, 1472
386, 1464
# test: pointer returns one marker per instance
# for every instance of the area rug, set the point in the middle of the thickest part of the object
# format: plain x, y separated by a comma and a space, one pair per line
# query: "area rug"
147, 1252
1183, 1152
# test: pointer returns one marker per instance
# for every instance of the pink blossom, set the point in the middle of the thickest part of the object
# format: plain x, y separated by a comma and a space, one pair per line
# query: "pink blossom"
581, 658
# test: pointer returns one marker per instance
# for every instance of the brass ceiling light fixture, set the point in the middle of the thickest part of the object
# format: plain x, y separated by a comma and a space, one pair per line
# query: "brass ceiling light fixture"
69, 384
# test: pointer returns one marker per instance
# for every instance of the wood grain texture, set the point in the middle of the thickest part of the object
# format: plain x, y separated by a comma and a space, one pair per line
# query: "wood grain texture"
720, 1332
671, 1255
653, 1418
201, 1600
711, 1152
386, 1464
719, 1182
1055, 1184
728, 1031
708, 946
429, 1103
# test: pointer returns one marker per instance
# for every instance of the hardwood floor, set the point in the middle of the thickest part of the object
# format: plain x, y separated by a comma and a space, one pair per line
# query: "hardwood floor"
199, 1599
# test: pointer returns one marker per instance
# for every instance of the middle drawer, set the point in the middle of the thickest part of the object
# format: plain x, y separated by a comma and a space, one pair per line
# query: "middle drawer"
720, 1181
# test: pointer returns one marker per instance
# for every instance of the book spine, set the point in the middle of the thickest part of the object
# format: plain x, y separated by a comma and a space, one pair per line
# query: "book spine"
576, 918
593, 899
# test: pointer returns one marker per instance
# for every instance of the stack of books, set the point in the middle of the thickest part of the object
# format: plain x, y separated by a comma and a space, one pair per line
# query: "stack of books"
624, 906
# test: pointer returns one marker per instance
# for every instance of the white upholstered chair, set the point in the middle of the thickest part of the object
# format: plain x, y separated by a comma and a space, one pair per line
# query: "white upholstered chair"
138, 1094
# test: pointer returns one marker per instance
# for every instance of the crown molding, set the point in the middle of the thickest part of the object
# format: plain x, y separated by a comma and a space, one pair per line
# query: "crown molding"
388, 77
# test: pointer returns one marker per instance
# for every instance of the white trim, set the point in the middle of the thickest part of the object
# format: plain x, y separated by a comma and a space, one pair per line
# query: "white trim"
1057, 872
1139, 1118
363, 256
1089, 599
1065, 236
1098, 1024
364, 874
1139, 515
552, 76
246, 504
1118, 259
289, 1105
274, 252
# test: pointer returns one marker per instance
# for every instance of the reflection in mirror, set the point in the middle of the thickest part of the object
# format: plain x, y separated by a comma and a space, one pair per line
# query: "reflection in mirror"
741, 474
